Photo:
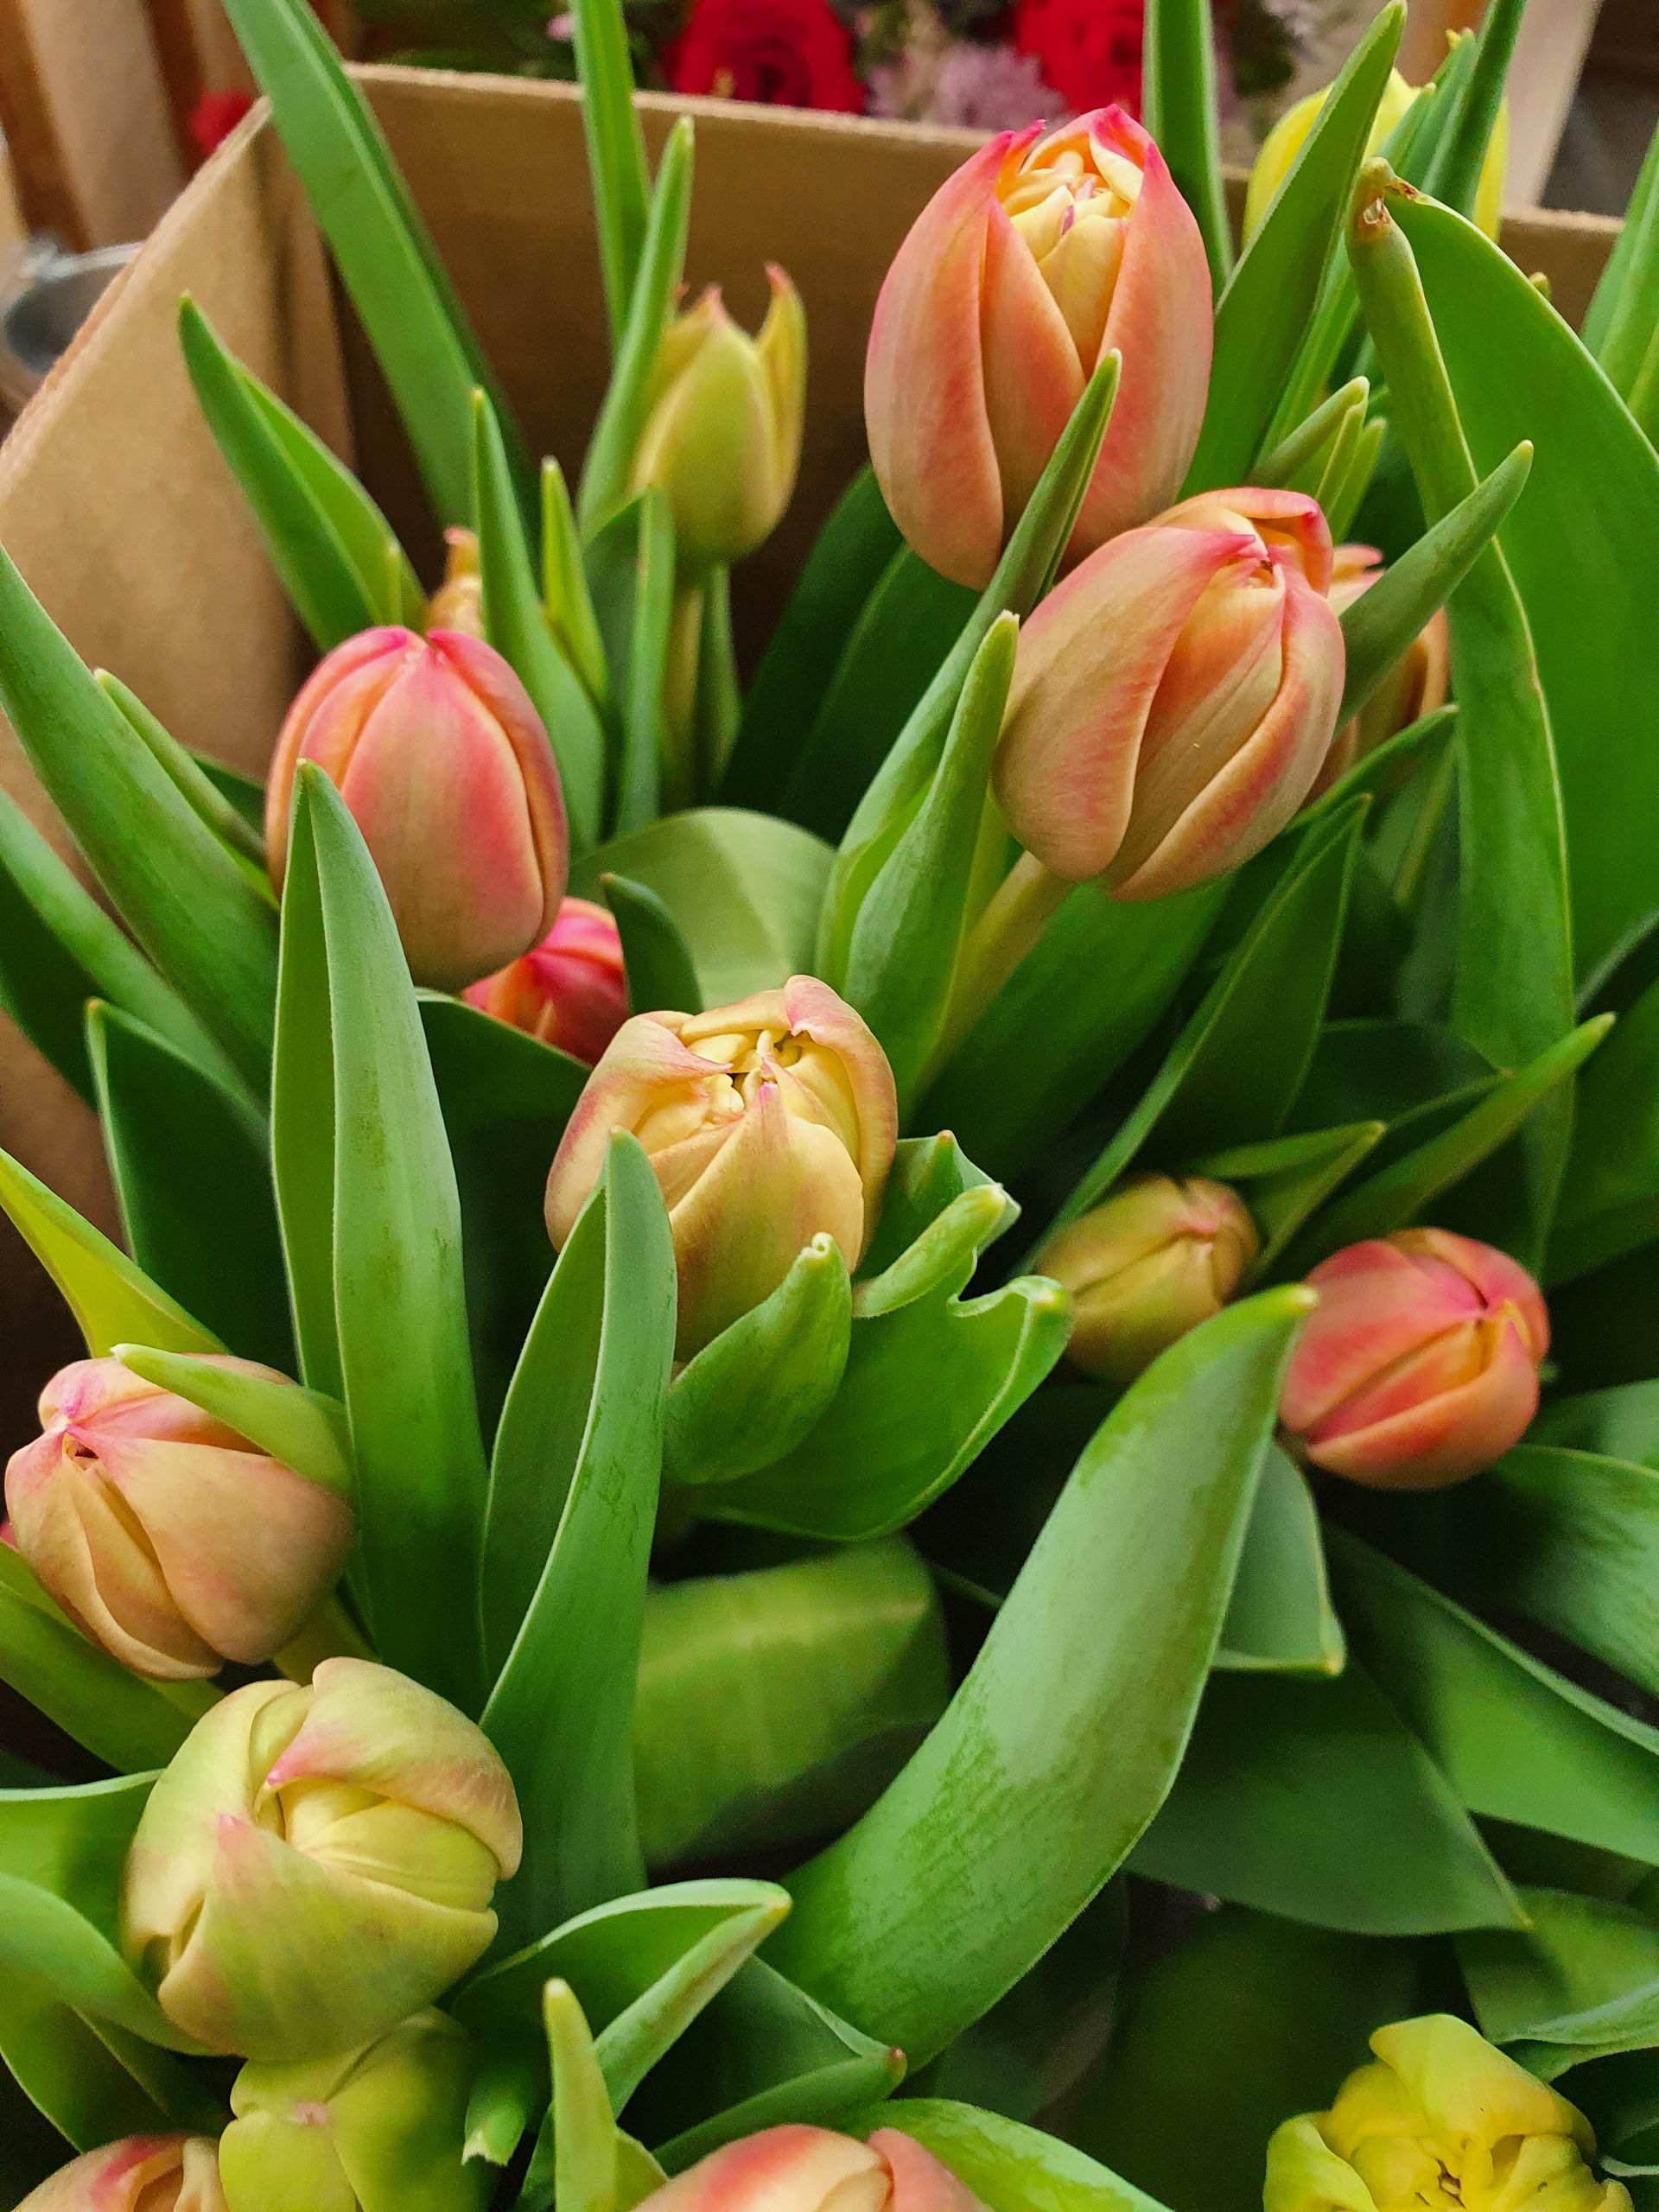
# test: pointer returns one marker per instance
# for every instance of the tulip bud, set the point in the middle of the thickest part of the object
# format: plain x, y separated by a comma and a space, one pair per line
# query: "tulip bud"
458, 603
1284, 142
437, 751
570, 990
377, 2130
1415, 686
799, 2169
316, 1864
164, 1535
1439, 2121
1420, 1364
1174, 698
767, 1123
141, 2173
1040, 256
1158, 1258
723, 436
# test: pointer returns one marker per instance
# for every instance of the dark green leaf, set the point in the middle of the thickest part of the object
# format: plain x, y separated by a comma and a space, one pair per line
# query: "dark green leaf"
1585, 1972
1009, 2167
660, 969
616, 150
1178, 108
1279, 1619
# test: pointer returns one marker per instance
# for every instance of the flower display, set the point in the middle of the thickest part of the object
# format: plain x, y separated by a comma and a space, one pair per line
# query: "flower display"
1088, 50
570, 990
789, 52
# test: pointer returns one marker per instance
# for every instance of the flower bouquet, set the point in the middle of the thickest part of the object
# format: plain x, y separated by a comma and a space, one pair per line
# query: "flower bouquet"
879, 1433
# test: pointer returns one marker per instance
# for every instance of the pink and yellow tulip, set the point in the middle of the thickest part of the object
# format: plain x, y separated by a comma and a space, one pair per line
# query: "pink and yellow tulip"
1174, 698
570, 990
813, 2170
1416, 685
1418, 1366
139, 2173
435, 746
166, 1537
1038, 258
767, 1123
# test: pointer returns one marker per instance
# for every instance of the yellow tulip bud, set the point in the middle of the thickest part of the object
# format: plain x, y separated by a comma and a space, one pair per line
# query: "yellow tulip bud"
1284, 142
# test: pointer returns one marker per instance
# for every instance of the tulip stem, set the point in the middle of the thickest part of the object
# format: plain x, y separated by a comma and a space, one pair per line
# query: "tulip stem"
329, 1634
1026, 901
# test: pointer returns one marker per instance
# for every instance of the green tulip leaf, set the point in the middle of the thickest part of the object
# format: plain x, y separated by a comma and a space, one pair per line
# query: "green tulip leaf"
182, 894
1250, 2019
200, 1219
583, 2131
1620, 326
1464, 129
849, 558
1298, 457
58, 949
371, 1221
245, 793
759, 1389
657, 768
1621, 1423
130, 1723
112, 1299
851, 1649
1033, 552
1065, 1735
1284, 1179
1232, 1075
1009, 2167
661, 973
407, 304
1517, 1741
1262, 316
517, 626
336, 555
1179, 109
90, 2078
1571, 1539
744, 890
775, 2053
1384, 1070
1313, 1800
573, 1501
244, 841
616, 149
907, 938
1280, 1620
1610, 1197
567, 599
1585, 1972
302, 1429
650, 305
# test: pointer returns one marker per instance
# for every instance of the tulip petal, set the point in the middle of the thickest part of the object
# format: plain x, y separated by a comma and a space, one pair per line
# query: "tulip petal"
924, 379
1246, 804
791, 2169
814, 1011
1066, 763
1446, 1434
1497, 1278
490, 677
1374, 1310
1034, 377
362, 670
921, 2182
1161, 321
644, 1061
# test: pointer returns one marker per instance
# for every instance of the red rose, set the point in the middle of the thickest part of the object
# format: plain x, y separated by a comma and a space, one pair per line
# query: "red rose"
1088, 50
213, 117
781, 53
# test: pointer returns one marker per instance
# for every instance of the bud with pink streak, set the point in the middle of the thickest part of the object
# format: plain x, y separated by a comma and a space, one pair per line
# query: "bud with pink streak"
1420, 1364
435, 746
767, 1123
812, 2170
141, 2173
570, 990
164, 1535
1174, 698
1040, 256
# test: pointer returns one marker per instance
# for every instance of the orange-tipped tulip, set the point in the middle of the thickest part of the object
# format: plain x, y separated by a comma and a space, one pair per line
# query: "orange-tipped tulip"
141, 2173
801, 2169
437, 751
1156, 1259
1415, 686
1040, 256
569, 990
1418, 1366
767, 1123
1174, 698
164, 1535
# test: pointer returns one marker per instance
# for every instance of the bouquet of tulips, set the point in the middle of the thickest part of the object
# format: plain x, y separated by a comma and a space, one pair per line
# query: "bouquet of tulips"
607, 1628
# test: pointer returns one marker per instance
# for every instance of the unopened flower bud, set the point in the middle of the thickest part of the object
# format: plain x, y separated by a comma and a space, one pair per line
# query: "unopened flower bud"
1415, 686
139, 2173
1156, 1259
1440, 2122
458, 602
799, 2168
1174, 698
316, 1864
436, 749
164, 1535
1284, 142
376, 2130
570, 990
767, 1123
1420, 1364
723, 437
1038, 258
